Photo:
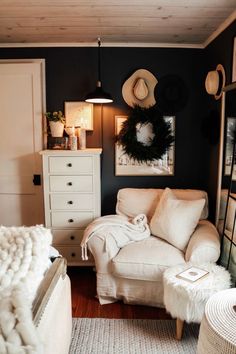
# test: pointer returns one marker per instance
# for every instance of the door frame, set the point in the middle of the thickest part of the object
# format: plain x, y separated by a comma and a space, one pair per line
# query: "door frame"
43, 138
42, 63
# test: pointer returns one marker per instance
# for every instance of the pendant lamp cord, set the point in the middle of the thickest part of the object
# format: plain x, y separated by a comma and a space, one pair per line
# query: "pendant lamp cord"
99, 61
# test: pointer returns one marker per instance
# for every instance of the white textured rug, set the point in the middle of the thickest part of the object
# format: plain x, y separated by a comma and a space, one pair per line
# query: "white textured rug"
131, 336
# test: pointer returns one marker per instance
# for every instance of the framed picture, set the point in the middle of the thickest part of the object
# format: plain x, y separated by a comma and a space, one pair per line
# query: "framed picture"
230, 131
126, 166
79, 114
234, 61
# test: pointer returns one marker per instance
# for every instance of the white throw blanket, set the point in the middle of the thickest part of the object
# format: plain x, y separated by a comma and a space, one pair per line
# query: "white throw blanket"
24, 259
117, 227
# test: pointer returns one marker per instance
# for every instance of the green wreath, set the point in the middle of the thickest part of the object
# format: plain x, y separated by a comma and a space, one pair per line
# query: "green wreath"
157, 147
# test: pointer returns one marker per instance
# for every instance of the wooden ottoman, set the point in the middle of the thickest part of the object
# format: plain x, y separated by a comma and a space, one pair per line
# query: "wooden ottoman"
184, 299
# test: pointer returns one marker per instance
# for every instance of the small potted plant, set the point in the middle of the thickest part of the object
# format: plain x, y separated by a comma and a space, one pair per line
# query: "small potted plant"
56, 122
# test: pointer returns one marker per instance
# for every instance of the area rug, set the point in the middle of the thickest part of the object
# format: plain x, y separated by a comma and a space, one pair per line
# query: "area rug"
131, 336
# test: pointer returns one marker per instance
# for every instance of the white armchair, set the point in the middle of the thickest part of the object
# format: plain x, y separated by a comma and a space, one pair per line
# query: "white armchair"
134, 273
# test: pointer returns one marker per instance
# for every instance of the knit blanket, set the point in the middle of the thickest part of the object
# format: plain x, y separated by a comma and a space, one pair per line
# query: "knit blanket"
24, 258
119, 228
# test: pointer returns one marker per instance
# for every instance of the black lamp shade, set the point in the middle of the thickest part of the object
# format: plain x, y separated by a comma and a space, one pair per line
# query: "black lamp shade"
98, 96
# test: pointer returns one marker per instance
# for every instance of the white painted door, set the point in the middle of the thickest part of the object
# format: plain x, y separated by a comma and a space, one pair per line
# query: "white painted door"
21, 117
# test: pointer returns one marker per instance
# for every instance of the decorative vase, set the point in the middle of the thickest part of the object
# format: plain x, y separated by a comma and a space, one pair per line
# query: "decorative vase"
81, 132
73, 142
56, 129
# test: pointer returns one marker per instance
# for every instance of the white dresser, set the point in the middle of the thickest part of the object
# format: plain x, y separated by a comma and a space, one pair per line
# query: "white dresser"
72, 197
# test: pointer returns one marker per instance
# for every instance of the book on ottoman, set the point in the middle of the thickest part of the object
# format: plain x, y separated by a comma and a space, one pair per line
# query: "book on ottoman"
192, 274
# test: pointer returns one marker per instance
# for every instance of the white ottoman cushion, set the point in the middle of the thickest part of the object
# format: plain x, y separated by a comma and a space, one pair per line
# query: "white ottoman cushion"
186, 300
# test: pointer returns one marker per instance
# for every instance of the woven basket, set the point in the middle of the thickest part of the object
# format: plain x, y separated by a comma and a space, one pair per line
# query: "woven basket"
218, 328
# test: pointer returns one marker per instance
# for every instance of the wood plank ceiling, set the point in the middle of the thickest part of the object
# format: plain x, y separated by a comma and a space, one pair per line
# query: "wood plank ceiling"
117, 22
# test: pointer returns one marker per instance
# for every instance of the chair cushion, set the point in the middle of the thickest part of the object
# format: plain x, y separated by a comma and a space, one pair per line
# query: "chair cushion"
134, 201
146, 259
175, 220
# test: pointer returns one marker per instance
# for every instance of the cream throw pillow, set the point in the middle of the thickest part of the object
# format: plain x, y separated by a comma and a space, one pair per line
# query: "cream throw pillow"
174, 220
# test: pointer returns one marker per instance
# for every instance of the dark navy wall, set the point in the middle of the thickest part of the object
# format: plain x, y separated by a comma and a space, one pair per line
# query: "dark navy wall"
72, 72
189, 157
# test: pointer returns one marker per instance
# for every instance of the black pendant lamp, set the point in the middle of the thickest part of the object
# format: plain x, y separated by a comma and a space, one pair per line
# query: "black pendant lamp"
98, 95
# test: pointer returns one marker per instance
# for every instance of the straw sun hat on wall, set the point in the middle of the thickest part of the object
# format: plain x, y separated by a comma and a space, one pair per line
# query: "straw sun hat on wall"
139, 89
215, 81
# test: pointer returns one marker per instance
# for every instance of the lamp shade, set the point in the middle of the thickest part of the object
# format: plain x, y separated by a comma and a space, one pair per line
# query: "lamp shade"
98, 95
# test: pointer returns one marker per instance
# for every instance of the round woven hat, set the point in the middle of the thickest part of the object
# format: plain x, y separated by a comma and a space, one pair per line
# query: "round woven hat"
139, 89
171, 94
215, 81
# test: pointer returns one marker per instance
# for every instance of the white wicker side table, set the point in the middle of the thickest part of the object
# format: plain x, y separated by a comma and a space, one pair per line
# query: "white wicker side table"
218, 328
185, 300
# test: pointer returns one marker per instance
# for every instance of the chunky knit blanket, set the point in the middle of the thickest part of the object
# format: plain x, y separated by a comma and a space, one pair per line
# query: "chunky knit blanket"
24, 258
119, 228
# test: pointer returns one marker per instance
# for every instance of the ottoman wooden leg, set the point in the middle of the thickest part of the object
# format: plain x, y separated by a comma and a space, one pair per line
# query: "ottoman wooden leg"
179, 328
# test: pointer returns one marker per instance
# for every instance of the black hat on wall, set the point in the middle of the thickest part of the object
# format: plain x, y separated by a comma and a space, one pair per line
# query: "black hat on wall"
171, 94
212, 119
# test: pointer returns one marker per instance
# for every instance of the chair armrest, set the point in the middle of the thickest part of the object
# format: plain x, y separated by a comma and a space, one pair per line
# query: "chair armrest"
204, 244
97, 245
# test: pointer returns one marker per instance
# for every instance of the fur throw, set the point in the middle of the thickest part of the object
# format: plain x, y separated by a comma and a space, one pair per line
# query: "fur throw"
24, 253
186, 300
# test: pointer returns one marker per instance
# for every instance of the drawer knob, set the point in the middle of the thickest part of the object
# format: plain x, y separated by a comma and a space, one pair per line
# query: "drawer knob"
69, 183
70, 220
73, 254
70, 202
72, 237
69, 164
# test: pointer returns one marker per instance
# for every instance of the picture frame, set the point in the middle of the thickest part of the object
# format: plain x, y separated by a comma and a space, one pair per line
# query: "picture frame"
79, 114
234, 61
125, 166
228, 156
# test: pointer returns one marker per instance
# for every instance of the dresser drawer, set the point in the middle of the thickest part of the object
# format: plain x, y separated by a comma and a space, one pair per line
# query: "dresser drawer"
71, 165
71, 219
70, 201
67, 237
71, 183
73, 255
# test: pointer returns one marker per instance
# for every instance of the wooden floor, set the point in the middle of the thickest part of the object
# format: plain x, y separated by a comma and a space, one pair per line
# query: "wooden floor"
85, 303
